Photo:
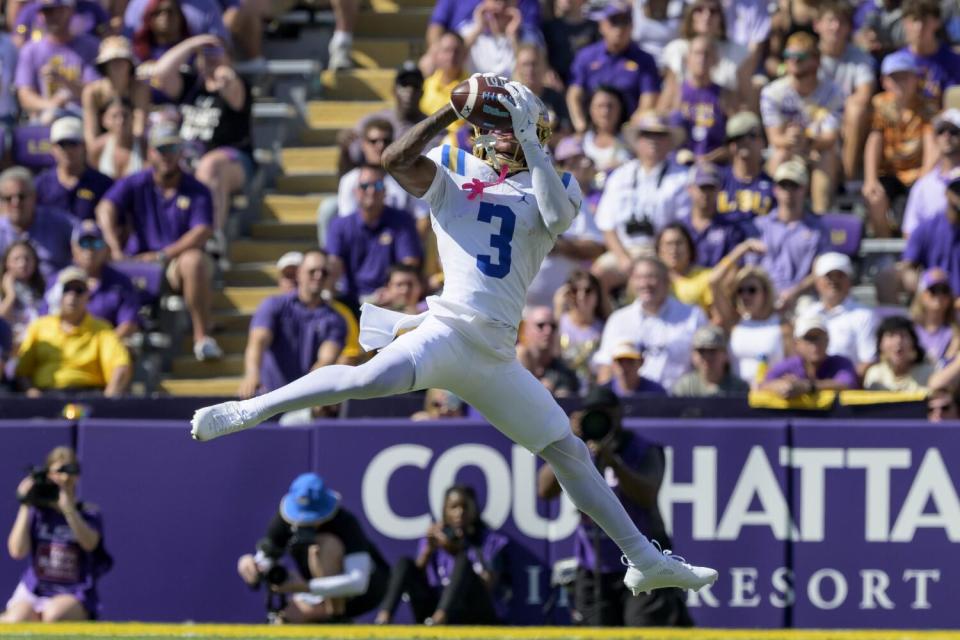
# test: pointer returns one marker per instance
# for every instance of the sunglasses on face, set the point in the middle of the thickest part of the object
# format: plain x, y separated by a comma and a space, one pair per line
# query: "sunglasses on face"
91, 243
11, 197
70, 469
376, 185
622, 20
799, 56
789, 185
940, 290
752, 135
749, 290
948, 129
168, 149
542, 325
75, 287
815, 337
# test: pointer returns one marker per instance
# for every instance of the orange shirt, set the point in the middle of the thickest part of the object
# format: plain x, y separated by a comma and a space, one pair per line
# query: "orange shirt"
903, 130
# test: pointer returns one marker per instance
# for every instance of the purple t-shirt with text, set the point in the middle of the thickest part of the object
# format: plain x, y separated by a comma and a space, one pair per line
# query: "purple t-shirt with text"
88, 18
72, 62
836, 368
741, 201
938, 72
633, 72
701, 118
81, 200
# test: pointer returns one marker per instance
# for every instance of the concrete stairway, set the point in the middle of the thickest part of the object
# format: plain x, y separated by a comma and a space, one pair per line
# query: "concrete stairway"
388, 32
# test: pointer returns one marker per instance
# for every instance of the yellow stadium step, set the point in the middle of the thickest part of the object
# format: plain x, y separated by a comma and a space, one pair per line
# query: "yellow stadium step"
293, 209
257, 274
388, 53
340, 114
190, 367
299, 160
318, 182
358, 84
273, 230
411, 22
231, 343
229, 320
395, 6
266, 251
241, 298
201, 387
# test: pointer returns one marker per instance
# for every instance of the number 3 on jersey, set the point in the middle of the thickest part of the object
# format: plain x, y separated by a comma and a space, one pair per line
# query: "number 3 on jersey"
499, 241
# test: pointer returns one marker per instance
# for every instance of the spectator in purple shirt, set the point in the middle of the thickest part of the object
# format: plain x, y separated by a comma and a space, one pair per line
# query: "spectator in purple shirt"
811, 370
64, 542
21, 218
163, 215
702, 105
366, 243
713, 236
71, 185
89, 18
939, 64
460, 574
51, 71
293, 333
747, 190
616, 61
936, 242
928, 195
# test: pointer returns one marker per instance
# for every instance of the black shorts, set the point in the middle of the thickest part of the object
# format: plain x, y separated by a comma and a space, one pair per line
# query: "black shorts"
368, 601
620, 608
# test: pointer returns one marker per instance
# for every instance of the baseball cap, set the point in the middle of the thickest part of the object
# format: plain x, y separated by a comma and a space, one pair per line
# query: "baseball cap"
164, 133
626, 351
833, 261
651, 121
86, 229
409, 73
600, 397
613, 8
948, 116
115, 48
742, 123
309, 501
289, 259
68, 128
72, 274
705, 174
899, 61
709, 337
805, 324
569, 147
792, 170
933, 277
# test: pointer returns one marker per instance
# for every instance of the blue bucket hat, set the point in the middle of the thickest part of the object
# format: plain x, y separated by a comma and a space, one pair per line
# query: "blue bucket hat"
309, 501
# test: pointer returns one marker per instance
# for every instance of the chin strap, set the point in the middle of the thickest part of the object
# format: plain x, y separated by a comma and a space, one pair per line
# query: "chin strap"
476, 186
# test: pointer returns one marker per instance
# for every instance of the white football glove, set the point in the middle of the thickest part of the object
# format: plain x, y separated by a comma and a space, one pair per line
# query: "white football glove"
525, 110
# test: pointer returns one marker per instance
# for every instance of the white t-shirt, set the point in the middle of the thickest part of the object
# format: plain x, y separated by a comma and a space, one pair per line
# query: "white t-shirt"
491, 53
819, 112
605, 158
730, 56
748, 21
654, 35
490, 247
851, 70
396, 196
852, 329
639, 203
752, 341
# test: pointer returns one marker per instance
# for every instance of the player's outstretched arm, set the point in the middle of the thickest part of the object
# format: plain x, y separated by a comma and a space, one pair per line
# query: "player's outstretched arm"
404, 159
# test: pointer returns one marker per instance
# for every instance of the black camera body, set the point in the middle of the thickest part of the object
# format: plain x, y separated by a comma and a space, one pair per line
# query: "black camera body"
44, 491
452, 534
272, 571
596, 424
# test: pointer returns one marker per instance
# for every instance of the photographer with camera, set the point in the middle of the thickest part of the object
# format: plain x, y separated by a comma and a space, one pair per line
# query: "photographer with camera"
340, 573
64, 539
459, 574
633, 467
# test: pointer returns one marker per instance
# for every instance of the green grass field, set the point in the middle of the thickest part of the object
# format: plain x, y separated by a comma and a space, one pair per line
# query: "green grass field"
133, 631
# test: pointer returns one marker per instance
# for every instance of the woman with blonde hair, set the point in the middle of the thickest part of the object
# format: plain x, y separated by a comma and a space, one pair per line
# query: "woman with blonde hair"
582, 308
934, 317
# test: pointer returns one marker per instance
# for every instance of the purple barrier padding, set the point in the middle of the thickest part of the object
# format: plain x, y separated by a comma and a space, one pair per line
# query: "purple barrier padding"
31, 146
23, 444
878, 518
179, 513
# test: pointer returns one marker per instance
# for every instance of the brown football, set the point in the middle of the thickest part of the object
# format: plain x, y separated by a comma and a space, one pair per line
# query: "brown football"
475, 100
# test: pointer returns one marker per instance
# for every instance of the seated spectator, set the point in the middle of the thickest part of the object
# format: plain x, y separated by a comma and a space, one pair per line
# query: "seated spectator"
664, 325
89, 18
293, 333
118, 66
941, 406
902, 364
747, 190
366, 243
602, 141
642, 196
113, 298
791, 237
52, 71
581, 306
538, 352
901, 144
72, 350
493, 36
939, 64
802, 117
71, 185
615, 61
460, 574
449, 58
699, 106
627, 381
788, 19
851, 69
22, 286
928, 196
851, 325
934, 242
531, 70
439, 404
287, 267
216, 107
934, 318
568, 31
713, 236
119, 153
164, 215
811, 370
155, 26
21, 218
759, 337
712, 375
340, 574
689, 282
403, 291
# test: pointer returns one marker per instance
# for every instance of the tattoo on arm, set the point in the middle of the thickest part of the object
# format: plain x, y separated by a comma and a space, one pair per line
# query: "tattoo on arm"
403, 159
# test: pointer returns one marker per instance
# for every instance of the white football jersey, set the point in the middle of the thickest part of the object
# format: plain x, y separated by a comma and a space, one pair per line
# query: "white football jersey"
491, 247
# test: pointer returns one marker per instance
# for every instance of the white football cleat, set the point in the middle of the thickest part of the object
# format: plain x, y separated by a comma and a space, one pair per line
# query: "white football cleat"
219, 420
668, 571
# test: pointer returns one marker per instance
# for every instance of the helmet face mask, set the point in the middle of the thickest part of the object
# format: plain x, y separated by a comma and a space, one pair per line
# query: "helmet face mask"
484, 146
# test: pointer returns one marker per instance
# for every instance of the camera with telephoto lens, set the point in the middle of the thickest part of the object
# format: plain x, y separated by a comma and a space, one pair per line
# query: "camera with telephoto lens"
596, 424
44, 491
271, 570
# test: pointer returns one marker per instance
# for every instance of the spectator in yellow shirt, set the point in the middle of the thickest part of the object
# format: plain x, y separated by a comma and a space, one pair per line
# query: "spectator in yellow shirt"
449, 58
73, 350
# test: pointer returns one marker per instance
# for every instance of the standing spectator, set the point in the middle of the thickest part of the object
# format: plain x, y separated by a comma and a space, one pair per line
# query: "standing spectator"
811, 370
851, 69
712, 375
939, 64
615, 61
164, 215
118, 152
449, 55
627, 381
293, 333
701, 105
367, 242
71, 185
901, 144
802, 117
493, 36
581, 308
51, 71
664, 325
850, 324
928, 196
602, 141
902, 364
72, 350
113, 298
21, 218
118, 66
22, 287
531, 71
689, 282
747, 190
89, 18
713, 236
161, 24
461, 572
538, 352
934, 318
566, 33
